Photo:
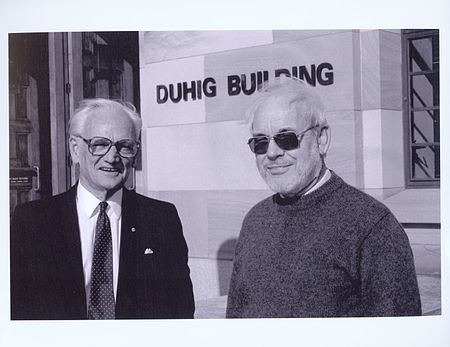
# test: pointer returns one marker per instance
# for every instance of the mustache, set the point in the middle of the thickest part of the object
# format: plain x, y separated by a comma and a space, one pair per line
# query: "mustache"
278, 163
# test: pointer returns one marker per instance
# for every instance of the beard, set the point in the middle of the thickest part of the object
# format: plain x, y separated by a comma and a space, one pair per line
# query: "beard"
298, 178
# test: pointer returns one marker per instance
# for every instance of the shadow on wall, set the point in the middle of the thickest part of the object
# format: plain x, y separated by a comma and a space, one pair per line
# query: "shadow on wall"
225, 256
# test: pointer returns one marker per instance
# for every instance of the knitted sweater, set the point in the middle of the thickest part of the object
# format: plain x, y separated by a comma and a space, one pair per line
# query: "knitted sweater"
335, 252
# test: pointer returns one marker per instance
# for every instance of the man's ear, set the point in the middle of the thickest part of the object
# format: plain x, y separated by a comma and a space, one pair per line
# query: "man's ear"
74, 150
324, 140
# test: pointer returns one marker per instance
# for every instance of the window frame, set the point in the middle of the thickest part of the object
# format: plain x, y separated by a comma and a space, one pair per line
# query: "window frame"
408, 110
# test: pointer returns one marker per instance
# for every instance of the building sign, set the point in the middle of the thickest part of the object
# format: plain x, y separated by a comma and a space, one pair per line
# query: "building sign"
247, 84
219, 86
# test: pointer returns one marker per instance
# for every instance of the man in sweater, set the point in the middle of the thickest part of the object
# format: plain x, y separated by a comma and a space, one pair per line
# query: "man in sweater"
318, 247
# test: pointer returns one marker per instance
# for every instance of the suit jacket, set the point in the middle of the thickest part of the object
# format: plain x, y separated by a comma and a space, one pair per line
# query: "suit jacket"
47, 280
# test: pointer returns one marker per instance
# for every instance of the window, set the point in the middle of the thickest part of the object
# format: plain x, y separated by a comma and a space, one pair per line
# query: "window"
421, 48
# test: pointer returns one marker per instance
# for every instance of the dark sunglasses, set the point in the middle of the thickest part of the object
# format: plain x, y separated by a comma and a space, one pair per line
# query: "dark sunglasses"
99, 146
286, 140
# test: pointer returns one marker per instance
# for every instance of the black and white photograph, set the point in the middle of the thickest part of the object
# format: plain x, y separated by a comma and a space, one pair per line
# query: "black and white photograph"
283, 179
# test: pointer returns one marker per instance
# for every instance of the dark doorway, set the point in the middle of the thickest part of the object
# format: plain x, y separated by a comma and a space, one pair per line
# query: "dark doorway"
29, 118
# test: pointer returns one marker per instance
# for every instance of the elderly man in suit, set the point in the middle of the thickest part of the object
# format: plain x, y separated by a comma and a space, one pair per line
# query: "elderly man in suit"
100, 251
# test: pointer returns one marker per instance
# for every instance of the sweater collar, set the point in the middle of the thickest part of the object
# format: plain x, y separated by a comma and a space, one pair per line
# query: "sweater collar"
314, 196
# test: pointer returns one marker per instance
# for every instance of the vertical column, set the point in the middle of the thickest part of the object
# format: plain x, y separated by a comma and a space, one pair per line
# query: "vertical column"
381, 109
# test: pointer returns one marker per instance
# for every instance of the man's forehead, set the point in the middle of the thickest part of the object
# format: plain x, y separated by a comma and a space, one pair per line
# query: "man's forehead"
277, 112
109, 120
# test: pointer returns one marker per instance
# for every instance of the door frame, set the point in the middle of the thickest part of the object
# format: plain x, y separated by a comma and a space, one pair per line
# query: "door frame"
66, 90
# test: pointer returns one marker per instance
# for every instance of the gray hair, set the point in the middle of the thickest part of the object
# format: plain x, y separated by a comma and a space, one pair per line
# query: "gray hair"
88, 106
292, 91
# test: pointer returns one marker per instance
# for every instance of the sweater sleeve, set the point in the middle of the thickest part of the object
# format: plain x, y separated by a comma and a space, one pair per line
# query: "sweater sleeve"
388, 278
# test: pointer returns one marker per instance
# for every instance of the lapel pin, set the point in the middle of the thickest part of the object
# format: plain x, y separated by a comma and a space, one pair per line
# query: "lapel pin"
148, 251
133, 229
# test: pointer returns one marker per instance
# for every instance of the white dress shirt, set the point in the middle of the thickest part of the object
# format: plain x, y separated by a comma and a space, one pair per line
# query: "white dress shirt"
326, 176
88, 210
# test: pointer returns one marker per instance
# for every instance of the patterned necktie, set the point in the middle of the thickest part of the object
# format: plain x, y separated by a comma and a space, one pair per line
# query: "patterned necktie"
101, 299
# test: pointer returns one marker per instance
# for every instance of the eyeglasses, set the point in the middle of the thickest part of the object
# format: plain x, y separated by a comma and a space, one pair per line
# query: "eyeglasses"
99, 146
286, 140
